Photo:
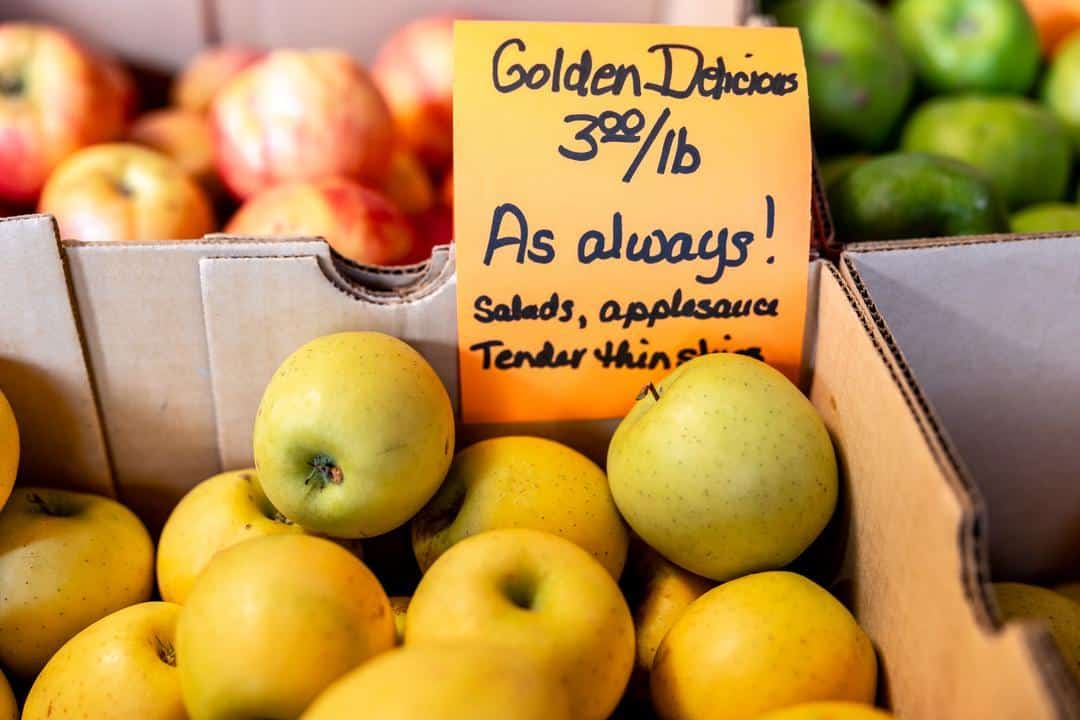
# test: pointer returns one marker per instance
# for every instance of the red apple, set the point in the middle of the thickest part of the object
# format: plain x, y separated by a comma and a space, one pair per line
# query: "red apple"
296, 116
361, 224
117, 192
407, 183
184, 136
433, 227
414, 70
447, 189
208, 72
55, 97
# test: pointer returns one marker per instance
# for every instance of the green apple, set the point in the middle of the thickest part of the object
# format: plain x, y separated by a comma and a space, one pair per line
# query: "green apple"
1061, 87
1019, 601
725, 469
523, 482
1047, 217
354, 434
444, 682
272, 621
760, 643
536, 595
969, 45
67, 559
122, 666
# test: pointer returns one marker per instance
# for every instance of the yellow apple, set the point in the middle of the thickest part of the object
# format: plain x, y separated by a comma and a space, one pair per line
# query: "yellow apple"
67, 559
1060, 614
1070, 590
215, 514
760, 643
353, 435
828, 711
9, 449
725, 468
9, 710
122, 666
660, 591
183, 135
399, 605
444, 682
523, 482
271, 622
537, 595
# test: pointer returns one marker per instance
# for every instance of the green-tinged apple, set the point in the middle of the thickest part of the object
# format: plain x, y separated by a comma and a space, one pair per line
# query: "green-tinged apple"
1061, 615
9, 449
522, 481
272, 621
123, 666
536, 595
67, 559
444, 682
120, 192
353, 435
9, 709
725, 468
296, 116
55, 97
399, 605
217, 513
760, 643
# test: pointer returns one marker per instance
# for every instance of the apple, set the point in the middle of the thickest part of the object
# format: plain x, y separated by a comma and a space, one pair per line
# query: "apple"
407, 183
9, 709
358, 222
209, 71
538, 596
399, 605
9, 449
300, 116
55, 97
184, 136
215, 514
447, 189
444, 682
272, 621
725, 468
433, 228
353, 435
828, 711
1070, 590
1060, 614
67, 559
523, 482
762, 642
122, 666
120, 192
414, 70
659, 593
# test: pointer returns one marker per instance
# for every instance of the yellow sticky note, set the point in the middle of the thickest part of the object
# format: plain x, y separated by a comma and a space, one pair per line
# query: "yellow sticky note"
627, 197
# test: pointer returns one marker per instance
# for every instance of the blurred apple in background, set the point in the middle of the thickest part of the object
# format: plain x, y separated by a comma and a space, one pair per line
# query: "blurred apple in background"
408, 184
414, 70
300, 116
433, 227
185, 137
198, 83
55, 97
447, 189
121, 191
358, 222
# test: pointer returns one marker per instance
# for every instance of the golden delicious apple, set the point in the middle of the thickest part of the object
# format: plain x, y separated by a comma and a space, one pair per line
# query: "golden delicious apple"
9, 710
67, 559
9, 449
272, 621
123, 666
215, 514
399, 605
444, 682
725, 469
760, 643
1060, 614
1070, 590
523, 482
354, 434
828, 711
659, 593
537, 595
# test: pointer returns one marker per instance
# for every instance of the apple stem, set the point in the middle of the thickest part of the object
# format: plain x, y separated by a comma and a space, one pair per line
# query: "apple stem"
324, 471
166, 652
649, 389
43, 505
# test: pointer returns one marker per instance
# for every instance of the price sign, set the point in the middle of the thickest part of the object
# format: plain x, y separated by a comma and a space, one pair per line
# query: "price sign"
627, 197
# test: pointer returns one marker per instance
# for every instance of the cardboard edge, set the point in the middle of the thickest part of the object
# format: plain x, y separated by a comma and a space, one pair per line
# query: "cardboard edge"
877, 246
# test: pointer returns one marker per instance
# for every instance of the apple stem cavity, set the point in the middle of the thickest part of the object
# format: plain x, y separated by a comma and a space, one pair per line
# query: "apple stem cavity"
44, 507
649, 389
166, 652
324, 471
11, 85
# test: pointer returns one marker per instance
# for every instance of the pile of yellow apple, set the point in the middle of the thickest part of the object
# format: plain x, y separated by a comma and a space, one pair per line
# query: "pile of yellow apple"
307, 142
719, 477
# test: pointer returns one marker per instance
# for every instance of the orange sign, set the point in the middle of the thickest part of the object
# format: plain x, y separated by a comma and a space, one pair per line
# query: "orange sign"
627, 197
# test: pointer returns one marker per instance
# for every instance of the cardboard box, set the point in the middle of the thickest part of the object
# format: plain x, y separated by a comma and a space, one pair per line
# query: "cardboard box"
136, 369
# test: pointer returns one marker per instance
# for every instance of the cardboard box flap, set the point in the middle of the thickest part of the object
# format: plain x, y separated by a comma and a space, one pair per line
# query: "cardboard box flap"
43, 370
905, 573
1006, 384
